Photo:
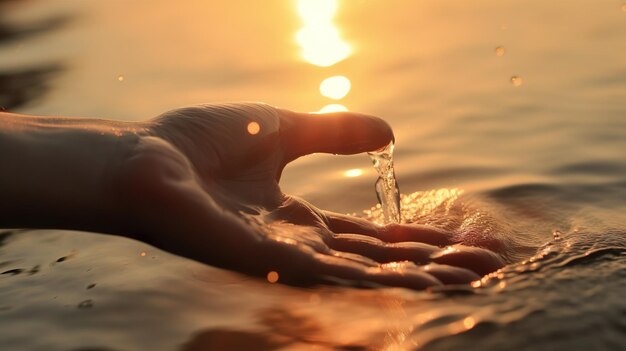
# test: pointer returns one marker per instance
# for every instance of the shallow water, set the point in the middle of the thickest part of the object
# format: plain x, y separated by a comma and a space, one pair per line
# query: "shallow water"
537, 161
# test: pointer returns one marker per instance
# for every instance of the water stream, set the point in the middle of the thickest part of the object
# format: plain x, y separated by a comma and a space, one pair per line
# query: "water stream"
386, 186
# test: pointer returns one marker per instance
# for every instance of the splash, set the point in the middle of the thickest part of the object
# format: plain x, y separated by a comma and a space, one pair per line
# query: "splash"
386, 186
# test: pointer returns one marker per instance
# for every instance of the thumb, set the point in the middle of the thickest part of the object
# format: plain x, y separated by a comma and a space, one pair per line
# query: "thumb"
337, 133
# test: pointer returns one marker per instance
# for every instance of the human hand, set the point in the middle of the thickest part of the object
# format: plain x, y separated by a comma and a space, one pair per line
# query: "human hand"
203, 183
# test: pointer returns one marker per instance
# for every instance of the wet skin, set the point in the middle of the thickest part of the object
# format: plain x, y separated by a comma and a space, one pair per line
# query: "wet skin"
196, 182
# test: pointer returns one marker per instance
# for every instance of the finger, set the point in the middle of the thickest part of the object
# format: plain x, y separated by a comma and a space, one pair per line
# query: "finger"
415, 232
450, 274
392, 233
478, 260
341, 223
380, 251
398, 274
338, 133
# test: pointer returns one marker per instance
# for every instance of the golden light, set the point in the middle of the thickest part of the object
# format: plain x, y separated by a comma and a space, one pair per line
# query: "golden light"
333, 108
272, 277
319, 39
335, 87
142, 254
120, 78
253, 128
351, 173
313, 11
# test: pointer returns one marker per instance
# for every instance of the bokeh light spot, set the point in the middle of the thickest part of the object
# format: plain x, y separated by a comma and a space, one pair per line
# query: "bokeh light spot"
272, 277
253, 128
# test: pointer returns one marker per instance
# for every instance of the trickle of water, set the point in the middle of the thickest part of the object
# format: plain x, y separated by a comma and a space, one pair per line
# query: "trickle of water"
386, 186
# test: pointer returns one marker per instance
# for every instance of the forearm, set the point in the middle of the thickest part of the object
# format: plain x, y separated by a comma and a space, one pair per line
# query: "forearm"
56, 172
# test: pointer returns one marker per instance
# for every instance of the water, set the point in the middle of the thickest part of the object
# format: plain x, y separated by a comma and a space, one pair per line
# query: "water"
500, 165
387, 189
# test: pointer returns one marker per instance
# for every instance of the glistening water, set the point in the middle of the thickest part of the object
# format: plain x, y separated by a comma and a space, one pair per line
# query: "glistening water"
510, 125
386, 186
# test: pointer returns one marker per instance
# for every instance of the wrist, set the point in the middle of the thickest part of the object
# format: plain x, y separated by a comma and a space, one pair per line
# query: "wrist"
59, 171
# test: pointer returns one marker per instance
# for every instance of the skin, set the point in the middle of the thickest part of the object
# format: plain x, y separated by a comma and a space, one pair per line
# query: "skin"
195, 182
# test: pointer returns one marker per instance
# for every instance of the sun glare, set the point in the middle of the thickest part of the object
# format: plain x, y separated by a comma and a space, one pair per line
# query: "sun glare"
333, 108
319, 39
335, 87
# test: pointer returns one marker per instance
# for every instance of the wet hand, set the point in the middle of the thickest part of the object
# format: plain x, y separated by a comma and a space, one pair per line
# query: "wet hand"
203, 183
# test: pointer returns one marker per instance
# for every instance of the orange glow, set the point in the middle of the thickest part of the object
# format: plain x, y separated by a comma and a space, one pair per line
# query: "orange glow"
500, 51
351, 173
319, 38
120, 78
143, 254
335, 87
333, 108
253, 128
272, 277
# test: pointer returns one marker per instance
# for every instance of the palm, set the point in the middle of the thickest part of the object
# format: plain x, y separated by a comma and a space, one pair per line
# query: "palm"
223, 189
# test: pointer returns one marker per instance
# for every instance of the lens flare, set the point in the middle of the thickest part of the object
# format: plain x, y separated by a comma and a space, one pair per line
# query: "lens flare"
335, 87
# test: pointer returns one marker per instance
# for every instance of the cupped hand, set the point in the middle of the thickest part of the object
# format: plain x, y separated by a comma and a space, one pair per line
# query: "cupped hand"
203, 183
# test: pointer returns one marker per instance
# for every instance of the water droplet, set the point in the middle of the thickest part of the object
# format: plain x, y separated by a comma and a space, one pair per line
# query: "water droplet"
516, 80
253, 128
272, 277
500, 51
86, 304
120, 77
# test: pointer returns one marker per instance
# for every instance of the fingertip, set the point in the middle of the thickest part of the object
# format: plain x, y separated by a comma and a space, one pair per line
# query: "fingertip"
479, 260
337, 132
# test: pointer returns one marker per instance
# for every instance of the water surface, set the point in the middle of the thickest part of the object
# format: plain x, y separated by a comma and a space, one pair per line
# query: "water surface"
537, 160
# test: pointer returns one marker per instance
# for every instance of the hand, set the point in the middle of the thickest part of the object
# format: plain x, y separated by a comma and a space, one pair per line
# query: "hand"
203, 183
